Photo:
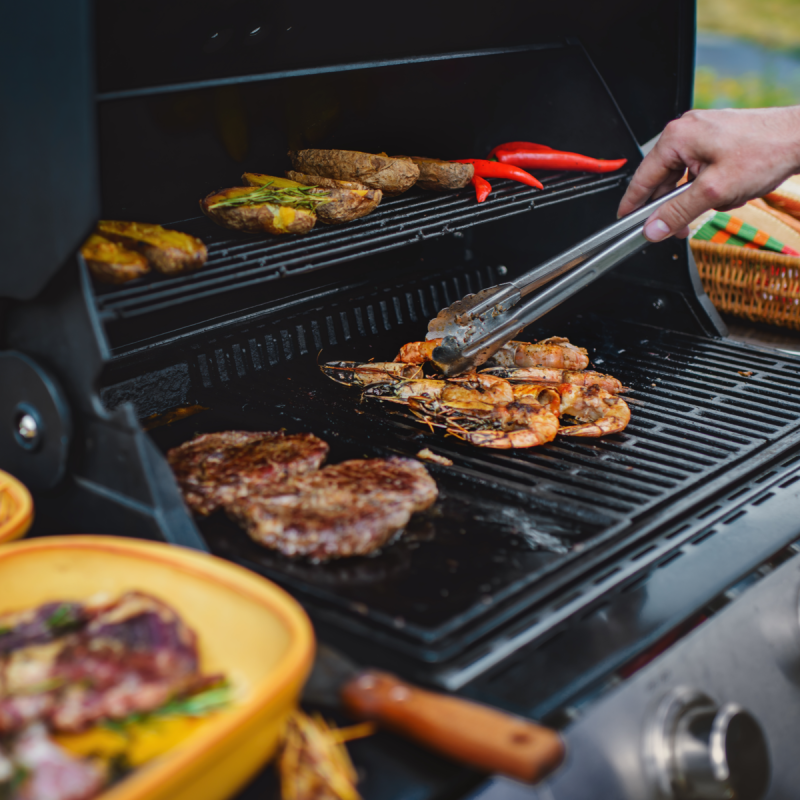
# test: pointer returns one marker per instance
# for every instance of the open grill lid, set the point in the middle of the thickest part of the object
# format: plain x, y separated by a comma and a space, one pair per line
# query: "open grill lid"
52, 145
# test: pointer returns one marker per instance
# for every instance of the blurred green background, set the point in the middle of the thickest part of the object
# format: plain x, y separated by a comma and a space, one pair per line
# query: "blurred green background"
748, 53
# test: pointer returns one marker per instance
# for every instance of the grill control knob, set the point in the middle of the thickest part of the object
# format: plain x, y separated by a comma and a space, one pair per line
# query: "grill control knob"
699, 751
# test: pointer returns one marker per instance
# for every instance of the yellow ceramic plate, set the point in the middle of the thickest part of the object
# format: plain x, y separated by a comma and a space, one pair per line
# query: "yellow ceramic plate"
16, 508
247, 628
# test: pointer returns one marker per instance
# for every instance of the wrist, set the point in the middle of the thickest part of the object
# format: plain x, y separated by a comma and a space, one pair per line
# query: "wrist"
791, 128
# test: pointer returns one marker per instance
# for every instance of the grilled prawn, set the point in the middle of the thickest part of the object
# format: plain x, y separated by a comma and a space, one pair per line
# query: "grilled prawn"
557, 376
418, 352
555, 352
598, 411
356, 373
518, 424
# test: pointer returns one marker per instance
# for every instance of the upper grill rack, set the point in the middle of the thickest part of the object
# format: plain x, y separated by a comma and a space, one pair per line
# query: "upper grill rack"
239, 261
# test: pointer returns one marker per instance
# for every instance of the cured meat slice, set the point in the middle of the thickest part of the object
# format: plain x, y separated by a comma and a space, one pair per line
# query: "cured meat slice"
346, 509
214, 469
131, 656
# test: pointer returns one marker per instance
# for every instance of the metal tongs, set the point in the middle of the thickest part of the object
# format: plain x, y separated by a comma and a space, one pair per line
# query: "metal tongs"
477, 326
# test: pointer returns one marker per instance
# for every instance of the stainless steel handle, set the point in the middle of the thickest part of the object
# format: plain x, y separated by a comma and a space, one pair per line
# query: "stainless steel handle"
566, 261
452, 359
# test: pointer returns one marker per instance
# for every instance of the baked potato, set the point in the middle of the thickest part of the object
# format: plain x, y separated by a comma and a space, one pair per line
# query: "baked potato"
342, 203
325, 183
391, 175
169, 252
441, 175
233, 208
110, 262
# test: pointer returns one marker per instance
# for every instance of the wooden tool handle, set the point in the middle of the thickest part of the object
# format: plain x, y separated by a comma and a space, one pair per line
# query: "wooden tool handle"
482, 737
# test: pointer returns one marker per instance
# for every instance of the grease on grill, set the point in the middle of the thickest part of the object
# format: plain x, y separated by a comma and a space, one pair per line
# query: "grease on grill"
168, 417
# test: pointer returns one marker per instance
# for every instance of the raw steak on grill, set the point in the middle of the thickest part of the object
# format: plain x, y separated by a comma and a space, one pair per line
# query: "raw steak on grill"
346, 509
214, 469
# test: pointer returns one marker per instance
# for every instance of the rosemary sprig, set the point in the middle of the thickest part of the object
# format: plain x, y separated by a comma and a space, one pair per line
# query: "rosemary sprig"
303, 197
196, 705
199, 704
63, 617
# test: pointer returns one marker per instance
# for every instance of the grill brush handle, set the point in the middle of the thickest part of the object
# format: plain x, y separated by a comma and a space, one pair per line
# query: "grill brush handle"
482, 737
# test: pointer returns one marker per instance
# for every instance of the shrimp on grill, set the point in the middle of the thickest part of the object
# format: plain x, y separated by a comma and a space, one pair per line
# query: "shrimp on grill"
555, 352
356, 373
518, 424
558, 376
468, 388
478, 387
401, 391
534, 394
418, 352
599, 411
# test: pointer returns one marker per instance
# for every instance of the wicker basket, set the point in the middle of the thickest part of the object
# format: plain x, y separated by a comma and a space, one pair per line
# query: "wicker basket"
754, 284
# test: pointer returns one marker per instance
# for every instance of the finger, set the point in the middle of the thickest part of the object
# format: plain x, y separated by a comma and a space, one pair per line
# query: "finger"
660, 166
668, 185
676, 215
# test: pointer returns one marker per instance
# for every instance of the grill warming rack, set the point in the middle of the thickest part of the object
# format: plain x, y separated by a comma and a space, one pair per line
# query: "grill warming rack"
239, 261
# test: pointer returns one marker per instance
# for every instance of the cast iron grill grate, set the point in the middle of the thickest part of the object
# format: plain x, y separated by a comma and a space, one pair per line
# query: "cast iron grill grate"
705, 414
239, 261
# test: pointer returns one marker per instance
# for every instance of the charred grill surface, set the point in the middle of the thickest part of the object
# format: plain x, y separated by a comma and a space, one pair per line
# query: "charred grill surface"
512, 532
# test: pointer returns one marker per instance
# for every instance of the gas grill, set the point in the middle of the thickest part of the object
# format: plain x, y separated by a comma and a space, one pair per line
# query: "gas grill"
628, 590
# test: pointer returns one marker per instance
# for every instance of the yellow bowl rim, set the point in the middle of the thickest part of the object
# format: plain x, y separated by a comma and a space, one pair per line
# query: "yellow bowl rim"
22, 518
293, 668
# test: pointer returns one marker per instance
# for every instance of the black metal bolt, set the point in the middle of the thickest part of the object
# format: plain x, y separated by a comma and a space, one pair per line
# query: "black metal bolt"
658, 304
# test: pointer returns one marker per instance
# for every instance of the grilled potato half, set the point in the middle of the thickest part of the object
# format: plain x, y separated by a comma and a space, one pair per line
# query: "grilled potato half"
255, 217
346, 201
391, 175
442, 175
110, 262
169, 252
325, 183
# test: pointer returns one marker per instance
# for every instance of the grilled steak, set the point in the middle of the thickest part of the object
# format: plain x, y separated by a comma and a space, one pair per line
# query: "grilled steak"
346, 509
216, 468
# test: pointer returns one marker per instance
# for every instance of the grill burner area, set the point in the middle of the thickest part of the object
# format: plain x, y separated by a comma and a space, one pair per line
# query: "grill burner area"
514, 531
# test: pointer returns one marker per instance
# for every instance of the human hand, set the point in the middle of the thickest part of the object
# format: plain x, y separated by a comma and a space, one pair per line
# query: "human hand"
733, 155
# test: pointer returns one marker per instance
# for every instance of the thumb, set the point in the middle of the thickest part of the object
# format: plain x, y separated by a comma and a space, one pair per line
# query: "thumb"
673, 217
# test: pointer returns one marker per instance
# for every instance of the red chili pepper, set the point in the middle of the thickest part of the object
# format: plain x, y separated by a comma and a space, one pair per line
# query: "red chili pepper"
532, 146
557, 159
494, 169
482, 188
